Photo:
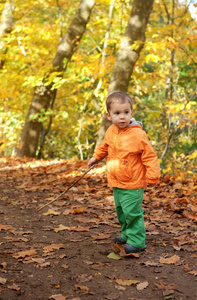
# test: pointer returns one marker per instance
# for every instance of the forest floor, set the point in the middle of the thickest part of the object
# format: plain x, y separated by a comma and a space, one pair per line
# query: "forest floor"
66, 250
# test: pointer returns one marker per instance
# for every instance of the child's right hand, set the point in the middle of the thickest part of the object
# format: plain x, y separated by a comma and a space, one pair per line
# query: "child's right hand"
92, 161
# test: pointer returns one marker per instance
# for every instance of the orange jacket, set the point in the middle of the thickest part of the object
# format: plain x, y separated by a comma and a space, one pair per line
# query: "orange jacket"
131, 160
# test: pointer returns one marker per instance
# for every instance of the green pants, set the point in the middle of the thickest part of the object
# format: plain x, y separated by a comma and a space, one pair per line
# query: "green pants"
130, 215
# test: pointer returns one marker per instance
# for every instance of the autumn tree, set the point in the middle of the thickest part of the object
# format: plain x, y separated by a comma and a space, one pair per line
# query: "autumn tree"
44, 95
162, 82
129, 51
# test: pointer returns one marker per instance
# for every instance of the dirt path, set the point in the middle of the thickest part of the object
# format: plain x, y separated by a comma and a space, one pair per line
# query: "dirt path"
67, 252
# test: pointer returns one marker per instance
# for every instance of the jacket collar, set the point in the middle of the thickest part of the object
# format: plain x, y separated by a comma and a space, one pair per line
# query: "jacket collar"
133, 123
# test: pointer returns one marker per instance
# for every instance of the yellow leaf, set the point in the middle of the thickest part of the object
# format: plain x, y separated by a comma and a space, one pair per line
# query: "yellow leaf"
61, 227
51, 212
127, 281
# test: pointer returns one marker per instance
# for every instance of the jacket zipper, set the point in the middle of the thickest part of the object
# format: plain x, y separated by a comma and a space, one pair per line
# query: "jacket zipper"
116, 140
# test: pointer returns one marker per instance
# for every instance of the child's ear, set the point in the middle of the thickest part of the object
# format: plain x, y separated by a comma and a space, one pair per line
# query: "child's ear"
108, 116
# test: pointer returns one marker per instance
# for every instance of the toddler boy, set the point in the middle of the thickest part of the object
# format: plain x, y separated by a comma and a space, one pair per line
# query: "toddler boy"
131, 165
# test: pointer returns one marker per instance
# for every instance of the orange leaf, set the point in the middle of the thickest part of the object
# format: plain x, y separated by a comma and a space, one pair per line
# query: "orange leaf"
52, 247
123, 253
5, 227
22, 254
101, 236
80, 229
78, 210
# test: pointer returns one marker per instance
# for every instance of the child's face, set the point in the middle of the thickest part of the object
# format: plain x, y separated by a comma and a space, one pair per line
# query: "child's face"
120, 113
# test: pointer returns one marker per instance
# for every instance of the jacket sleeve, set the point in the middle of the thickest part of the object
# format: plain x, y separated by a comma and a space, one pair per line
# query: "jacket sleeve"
149, 160
101, 151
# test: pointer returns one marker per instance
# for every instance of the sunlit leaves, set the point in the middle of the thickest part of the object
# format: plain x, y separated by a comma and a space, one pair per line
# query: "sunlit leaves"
31, 47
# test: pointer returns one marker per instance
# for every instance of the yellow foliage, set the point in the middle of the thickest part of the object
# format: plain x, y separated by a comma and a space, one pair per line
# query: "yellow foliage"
32, 45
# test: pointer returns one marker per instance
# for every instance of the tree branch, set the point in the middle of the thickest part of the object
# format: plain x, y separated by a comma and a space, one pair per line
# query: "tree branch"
175, 126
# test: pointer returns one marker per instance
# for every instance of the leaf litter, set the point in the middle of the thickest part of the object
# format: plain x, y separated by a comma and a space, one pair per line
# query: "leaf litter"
71, 241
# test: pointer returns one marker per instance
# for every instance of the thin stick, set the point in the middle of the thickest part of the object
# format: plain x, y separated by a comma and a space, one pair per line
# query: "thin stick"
58, 197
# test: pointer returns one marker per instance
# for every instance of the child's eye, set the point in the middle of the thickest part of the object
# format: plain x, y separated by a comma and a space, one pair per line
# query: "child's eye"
117, 113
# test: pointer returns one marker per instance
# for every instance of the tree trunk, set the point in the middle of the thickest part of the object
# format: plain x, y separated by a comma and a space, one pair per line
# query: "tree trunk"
5, 27
129, 51
44, 95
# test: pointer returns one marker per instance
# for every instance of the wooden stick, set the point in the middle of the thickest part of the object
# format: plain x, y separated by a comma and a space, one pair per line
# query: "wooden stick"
64, 192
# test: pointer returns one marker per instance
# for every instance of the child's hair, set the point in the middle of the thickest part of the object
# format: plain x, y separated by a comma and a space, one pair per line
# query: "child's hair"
122, 96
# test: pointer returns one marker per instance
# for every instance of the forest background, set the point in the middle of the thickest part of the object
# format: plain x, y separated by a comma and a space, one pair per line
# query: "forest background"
163, 82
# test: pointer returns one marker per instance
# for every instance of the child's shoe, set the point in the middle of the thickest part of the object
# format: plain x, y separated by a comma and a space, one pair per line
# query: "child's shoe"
130, 249
119, 240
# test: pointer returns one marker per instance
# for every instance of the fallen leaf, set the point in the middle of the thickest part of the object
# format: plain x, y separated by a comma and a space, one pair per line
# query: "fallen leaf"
87, 262
20, 233
53, 247
101, 236
22, 254
80, 229
111, 296
123, 253
14, 287
78, 210
84, 278
120, 288
166, 287
51, 213
126, 282
65, 266
150, 263
98, 266
5, 227
168, 292
115, 256
38, 260
83, 289
193, 272
2, 280
171, 260
61, 227
66, 212
46, 264
3, 266
142, 285
58, 297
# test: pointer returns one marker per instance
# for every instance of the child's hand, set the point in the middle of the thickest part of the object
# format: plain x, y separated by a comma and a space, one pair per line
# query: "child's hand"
92, 161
